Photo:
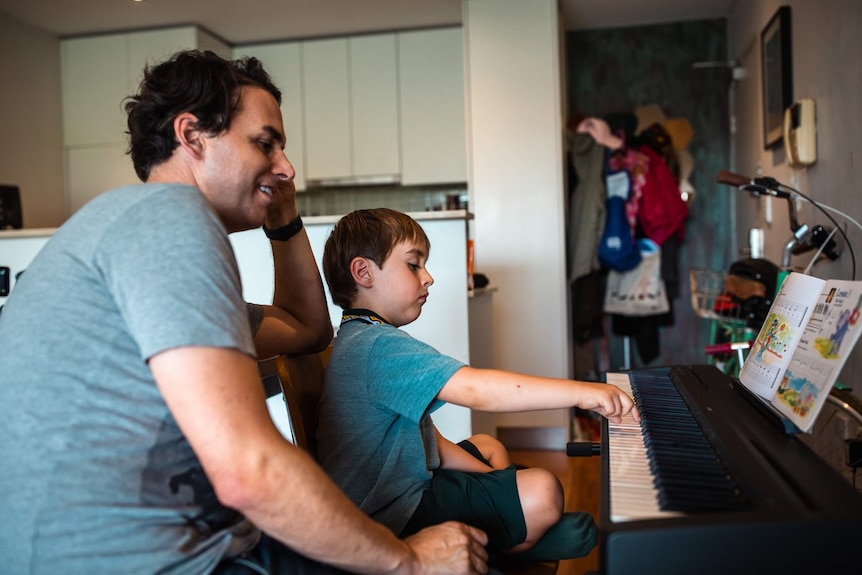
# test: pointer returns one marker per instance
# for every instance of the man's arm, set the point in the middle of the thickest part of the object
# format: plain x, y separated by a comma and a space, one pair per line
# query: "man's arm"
298, 319
496, 390
216, 397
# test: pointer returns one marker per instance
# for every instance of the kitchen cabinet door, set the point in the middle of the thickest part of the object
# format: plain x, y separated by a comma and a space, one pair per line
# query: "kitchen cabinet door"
206, 41
284, 64
94, 83
433, 119
153, 46
326, 93
350, 93
375, 138
100, 72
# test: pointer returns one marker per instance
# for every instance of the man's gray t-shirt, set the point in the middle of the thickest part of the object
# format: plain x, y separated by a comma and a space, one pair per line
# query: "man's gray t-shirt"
97, 477
375, 436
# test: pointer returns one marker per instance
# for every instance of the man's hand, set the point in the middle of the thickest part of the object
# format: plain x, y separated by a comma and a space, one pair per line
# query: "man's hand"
283, 210
449, 548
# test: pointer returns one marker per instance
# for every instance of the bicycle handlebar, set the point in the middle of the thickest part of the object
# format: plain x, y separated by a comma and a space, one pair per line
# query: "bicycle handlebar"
761, 186
731, 179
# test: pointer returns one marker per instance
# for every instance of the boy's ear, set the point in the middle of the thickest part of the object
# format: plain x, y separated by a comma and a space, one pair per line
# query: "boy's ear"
360, 269
189, 136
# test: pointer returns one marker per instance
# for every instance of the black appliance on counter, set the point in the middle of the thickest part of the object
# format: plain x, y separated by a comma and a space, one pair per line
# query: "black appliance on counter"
10, 207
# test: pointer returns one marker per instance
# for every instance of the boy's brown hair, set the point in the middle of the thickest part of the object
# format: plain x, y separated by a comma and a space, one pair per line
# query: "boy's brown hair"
369, 234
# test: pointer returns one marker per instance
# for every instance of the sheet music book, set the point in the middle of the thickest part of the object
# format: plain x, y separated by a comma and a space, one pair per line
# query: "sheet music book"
810, 330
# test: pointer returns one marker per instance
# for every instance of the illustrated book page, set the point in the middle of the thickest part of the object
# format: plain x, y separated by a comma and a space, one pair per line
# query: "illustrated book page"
828, 339
810, 330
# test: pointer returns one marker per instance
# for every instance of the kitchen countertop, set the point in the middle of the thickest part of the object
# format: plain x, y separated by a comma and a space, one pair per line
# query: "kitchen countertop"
27, 233
308, 220
478, 292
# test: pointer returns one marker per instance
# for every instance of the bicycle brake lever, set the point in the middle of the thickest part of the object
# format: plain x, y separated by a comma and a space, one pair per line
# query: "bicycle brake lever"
818, 236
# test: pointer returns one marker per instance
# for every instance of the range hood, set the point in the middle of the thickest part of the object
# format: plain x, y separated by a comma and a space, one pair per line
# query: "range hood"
353, 181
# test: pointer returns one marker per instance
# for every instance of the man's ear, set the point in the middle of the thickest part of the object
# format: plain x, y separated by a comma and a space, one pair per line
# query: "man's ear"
189, 136
360, 269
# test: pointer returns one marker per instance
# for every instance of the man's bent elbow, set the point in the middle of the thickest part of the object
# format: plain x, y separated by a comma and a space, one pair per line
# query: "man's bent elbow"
324, 338
243, 485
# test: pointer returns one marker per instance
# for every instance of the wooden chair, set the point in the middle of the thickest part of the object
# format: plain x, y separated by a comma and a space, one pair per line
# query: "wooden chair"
300, 379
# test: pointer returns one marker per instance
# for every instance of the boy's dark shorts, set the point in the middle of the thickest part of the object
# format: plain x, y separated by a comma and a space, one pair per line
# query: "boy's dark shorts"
488, 501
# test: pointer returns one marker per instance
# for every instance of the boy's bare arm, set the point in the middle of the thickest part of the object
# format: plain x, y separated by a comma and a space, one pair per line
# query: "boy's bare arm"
453, 456
501, 391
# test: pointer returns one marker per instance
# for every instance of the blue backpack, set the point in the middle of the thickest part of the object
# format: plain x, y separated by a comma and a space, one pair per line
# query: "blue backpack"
617, 249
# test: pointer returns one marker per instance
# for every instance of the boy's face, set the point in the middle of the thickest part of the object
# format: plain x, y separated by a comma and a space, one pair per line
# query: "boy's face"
400, 287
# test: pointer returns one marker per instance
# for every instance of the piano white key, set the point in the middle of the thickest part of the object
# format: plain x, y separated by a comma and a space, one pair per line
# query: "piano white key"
633, 495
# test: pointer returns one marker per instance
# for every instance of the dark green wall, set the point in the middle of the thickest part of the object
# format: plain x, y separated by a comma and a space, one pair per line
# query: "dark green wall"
619, 70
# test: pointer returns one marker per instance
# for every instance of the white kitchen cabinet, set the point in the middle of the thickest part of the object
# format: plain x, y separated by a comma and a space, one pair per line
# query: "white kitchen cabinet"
284, 64
326, 92
350, 92
94, 83
154, 46
98, 74
433, 119
375, 140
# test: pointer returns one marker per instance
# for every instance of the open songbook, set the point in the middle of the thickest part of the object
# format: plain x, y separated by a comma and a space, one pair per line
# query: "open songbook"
810, 330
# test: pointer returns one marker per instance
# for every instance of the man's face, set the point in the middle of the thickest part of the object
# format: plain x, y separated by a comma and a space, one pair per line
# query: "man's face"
243, 165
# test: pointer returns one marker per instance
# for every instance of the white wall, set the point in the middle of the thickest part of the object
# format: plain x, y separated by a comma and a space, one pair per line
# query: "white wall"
31, 146
827, 67
516, 184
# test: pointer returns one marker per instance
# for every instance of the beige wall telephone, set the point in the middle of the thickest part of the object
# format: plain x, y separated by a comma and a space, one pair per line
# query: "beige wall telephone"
800, 133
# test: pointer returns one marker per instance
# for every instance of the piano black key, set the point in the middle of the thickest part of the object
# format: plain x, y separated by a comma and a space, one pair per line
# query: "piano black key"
685, 466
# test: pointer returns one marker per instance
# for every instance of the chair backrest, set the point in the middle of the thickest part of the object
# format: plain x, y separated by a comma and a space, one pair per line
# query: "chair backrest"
301, 378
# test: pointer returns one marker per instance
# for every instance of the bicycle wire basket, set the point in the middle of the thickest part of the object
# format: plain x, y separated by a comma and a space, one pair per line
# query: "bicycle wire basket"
710, 298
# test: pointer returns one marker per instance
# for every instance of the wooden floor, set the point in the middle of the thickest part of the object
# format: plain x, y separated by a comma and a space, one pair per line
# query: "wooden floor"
581, 479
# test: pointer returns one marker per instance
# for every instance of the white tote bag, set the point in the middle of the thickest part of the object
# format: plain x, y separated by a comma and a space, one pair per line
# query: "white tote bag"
639, 291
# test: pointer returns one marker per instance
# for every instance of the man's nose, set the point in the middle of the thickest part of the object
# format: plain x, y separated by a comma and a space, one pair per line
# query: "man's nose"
283, 168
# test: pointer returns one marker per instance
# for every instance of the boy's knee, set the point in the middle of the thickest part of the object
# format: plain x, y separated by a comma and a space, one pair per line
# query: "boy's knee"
484, 438
541, 494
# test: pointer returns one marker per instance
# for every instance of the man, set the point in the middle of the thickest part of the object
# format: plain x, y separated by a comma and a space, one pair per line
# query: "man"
134, 432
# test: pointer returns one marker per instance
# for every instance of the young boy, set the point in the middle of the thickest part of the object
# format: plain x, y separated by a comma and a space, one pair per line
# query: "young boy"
375, 435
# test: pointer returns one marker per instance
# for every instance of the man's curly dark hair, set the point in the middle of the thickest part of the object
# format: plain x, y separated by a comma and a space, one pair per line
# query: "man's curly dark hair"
199, 82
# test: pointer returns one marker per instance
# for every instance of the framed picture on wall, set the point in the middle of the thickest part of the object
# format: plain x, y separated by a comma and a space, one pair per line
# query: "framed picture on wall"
776, 69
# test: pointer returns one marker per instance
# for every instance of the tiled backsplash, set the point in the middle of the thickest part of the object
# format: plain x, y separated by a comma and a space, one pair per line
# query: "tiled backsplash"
338, 201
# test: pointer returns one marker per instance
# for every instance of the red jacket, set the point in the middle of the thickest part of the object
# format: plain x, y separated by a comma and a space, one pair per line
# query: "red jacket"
661, 209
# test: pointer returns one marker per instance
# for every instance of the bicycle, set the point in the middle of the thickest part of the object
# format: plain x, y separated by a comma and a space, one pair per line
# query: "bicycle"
736, 303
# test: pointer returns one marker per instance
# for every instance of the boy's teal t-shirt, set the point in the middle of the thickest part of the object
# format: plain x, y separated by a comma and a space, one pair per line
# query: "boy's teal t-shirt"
375, 435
